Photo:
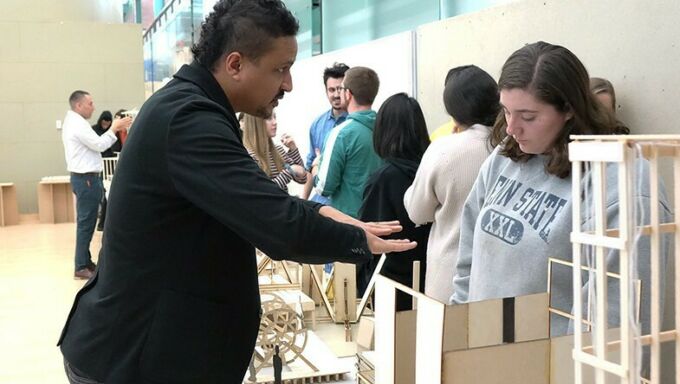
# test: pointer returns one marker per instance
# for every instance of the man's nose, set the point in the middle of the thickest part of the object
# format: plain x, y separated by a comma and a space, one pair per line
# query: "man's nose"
287, 84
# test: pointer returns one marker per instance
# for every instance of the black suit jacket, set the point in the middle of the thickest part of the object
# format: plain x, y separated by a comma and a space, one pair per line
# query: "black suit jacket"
175, 296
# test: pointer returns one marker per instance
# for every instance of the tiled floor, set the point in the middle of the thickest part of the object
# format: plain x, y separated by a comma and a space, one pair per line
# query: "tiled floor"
36, 293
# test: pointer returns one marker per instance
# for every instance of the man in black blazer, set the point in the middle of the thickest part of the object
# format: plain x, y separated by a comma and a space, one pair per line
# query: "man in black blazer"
175, 296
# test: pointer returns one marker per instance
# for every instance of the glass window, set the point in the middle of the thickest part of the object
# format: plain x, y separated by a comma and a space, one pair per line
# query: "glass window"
452, 8
350, 22
302, 10
148, 68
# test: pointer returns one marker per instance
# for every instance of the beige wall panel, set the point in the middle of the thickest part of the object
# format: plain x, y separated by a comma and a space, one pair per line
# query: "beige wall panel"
640, 61
14, 82
10, 170
82, 42
11, 41
119, 43
29, 163
124, 82
51, 82
39, 121
48, 61
38, 42
52, 10
12, 119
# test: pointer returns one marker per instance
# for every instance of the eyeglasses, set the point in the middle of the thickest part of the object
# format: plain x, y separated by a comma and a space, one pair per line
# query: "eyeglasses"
339, 88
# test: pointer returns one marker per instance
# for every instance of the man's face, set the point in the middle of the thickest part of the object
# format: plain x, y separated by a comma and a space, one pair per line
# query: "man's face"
333, 91
345, 95
85, 107
264, 81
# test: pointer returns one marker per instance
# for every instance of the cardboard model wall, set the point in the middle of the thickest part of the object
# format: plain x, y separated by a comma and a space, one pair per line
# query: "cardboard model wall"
503, 341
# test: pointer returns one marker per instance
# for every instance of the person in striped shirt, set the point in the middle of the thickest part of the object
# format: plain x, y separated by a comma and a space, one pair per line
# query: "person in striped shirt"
280, 164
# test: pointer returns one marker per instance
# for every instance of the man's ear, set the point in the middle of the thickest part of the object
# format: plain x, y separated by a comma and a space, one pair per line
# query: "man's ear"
233, 63
349, 96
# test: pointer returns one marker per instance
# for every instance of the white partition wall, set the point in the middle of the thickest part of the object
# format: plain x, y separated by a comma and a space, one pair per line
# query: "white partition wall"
390, 57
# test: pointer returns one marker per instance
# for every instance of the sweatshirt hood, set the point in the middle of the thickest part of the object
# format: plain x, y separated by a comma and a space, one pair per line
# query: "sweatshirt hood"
365, 118
407, 167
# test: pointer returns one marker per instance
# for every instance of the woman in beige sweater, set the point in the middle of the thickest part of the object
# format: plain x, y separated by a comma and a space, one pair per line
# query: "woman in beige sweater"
448, 170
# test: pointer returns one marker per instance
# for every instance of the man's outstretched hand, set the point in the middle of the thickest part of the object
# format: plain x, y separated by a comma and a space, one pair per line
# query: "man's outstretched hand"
379, 246
373, 229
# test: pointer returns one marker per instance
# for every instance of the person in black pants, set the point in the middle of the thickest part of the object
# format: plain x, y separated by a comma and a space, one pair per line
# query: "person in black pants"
400, 138
103, 125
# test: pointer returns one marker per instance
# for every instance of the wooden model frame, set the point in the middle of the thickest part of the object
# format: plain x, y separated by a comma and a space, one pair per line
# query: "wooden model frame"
9, 208
344, 309
598, 151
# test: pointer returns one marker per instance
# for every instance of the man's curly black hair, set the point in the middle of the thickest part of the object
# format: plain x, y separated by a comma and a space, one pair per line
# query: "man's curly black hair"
245, 26
336, 71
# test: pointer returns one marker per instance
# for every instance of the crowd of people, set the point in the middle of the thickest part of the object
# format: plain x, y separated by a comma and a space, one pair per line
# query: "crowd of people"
482, 204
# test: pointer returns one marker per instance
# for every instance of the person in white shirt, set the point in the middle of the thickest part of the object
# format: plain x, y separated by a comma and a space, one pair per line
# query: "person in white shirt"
83, 147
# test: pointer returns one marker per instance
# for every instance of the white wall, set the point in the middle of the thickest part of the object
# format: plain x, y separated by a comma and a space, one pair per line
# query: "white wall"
390, 57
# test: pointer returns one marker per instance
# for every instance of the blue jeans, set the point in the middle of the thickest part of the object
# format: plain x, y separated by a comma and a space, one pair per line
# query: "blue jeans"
89, 191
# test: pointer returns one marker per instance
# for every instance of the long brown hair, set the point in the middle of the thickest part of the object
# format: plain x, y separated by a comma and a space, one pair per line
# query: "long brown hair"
553, 75
599, 85
257, 140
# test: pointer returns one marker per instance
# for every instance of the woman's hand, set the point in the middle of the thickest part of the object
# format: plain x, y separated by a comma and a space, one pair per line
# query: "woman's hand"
287, 140
299, 173
120, 124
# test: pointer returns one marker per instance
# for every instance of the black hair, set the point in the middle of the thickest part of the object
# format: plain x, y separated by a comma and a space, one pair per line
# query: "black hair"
105, 116
75, 97
336, 71
245, 26
471, 96
119, 113
400, 130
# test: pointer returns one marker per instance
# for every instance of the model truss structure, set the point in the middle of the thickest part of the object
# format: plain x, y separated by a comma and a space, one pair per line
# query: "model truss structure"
595, 155
279, 326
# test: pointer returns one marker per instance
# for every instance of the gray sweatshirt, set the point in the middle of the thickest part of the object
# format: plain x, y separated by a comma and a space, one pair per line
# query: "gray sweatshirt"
517, 216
